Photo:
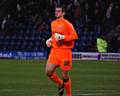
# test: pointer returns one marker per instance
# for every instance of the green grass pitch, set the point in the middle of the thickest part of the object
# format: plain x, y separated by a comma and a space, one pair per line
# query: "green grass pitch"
89, 78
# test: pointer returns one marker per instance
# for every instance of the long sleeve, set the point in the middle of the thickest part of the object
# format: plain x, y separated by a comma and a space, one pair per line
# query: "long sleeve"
72, 33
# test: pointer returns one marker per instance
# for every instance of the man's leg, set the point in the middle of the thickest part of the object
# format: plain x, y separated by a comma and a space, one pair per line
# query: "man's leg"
50, 71
67, 83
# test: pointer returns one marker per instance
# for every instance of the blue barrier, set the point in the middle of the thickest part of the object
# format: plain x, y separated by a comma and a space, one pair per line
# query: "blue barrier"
23, 55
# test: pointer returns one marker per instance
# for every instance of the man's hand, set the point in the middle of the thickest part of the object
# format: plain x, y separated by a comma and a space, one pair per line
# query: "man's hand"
49, 42
59, 36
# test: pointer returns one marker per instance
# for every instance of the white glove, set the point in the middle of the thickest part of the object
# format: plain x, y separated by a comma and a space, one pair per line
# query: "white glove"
59, 36
49, 42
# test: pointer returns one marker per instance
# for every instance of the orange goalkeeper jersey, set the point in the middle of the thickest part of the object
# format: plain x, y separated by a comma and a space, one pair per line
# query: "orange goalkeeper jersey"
63, 27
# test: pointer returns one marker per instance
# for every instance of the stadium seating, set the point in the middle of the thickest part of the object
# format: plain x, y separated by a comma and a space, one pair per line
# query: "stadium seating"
28, 39
24, 35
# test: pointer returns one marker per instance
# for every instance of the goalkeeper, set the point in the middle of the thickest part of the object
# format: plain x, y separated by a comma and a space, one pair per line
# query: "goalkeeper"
61, 41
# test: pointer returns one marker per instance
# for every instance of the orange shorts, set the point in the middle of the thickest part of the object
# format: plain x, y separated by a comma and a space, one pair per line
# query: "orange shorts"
61, 57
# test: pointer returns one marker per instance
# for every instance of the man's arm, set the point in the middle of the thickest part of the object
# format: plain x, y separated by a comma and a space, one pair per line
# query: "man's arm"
72, 33
49, 42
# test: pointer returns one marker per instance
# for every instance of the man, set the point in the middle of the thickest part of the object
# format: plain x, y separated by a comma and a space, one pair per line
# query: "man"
61, 41
102, 44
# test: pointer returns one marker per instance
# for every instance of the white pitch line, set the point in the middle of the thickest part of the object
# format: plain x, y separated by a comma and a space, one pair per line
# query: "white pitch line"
55, 90
87, 94
104, 93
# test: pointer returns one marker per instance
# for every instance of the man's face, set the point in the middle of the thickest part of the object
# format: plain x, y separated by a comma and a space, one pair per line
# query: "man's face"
59, 13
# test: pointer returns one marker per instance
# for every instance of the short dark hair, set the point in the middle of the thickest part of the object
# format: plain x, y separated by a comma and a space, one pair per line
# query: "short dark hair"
61, 6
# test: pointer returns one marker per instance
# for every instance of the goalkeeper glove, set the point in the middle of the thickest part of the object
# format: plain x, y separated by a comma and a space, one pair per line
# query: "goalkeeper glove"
59, 36
49, 42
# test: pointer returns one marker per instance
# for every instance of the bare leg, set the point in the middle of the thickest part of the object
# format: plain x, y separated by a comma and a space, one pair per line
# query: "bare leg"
50, 71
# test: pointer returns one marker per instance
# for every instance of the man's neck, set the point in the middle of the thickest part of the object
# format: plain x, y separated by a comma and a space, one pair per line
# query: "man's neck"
60, 18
